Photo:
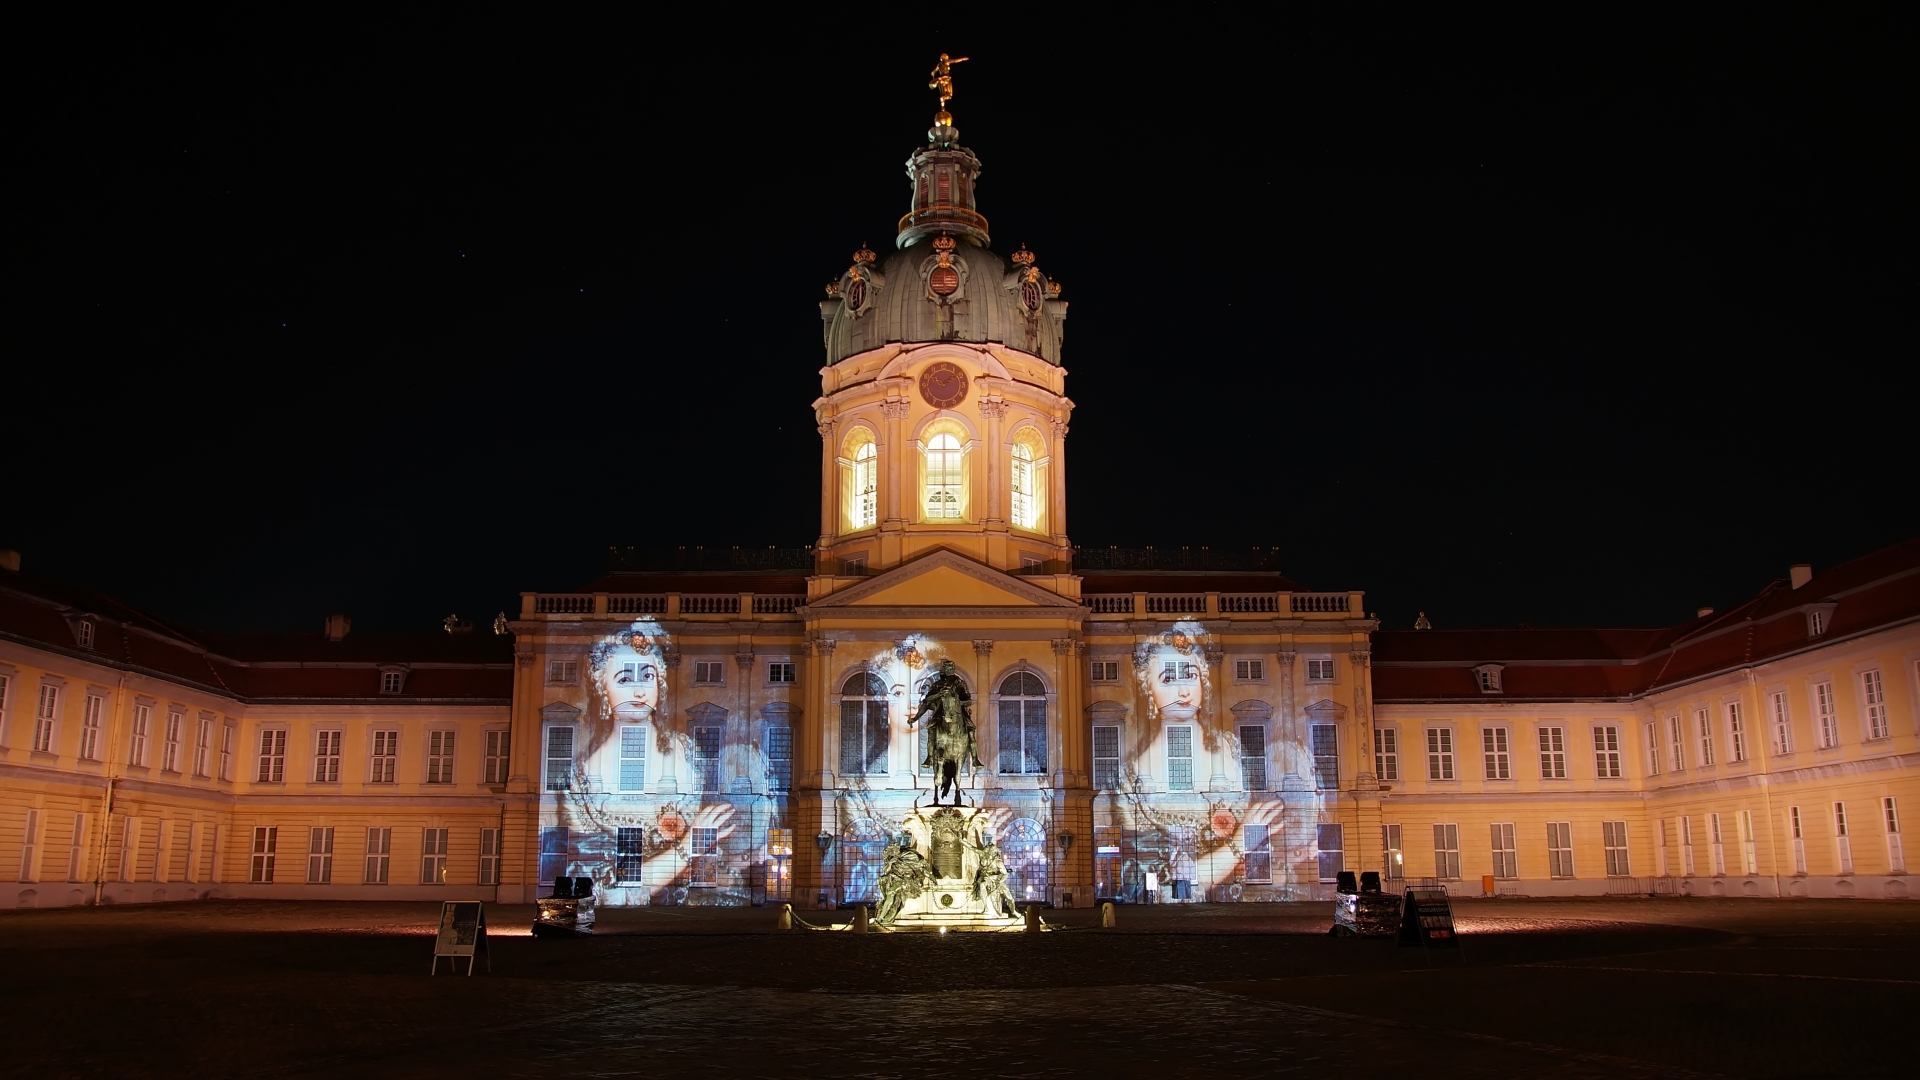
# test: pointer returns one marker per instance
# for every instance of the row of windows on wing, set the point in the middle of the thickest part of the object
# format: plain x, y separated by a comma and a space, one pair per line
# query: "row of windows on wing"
1504, 850
1123, 856
1109, 766
1180, 672
866, 731
375, 857
944, 488
564, 773
566, 852
383, 757
1497, 752
641, 673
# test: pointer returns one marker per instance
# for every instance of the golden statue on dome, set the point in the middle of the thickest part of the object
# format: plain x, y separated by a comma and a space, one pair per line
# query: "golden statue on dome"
942, 81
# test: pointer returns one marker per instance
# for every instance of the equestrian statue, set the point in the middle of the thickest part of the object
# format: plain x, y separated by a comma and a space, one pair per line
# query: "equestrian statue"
950, 731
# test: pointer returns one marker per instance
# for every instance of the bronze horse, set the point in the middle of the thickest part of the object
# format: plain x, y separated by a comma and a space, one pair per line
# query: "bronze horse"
947, 741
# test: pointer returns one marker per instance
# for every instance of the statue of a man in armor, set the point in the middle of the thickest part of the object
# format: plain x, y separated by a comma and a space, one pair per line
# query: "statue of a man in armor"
948, 685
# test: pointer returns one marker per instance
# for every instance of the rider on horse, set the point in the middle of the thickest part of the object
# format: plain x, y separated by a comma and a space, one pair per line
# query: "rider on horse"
948, 683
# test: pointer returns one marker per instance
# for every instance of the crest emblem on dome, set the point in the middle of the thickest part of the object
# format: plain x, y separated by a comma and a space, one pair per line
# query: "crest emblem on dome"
945, 275
857, 286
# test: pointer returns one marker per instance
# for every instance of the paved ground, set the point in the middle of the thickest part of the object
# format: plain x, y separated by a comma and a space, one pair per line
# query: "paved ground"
1613, 988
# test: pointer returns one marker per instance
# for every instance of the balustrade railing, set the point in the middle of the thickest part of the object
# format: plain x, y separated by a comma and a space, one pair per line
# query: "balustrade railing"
1166, 604
563, 604
1320, 603
722, 604
777, 605
1118, 604
1248, 603
637, 605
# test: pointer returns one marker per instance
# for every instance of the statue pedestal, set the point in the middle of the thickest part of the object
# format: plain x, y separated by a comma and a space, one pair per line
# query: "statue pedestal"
951, 839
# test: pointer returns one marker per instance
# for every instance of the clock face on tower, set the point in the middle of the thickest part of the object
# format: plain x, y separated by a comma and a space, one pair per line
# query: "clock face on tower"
943, 385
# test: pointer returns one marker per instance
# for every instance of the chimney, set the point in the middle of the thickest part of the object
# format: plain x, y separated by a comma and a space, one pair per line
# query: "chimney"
1703, 613
9, 560
1800, 573
338, 626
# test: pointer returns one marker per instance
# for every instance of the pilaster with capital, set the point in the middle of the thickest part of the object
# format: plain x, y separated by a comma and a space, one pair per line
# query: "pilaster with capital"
895, 412
1291, 776
1217, 749
1362, 711
994, 410
1057, 487
829, 478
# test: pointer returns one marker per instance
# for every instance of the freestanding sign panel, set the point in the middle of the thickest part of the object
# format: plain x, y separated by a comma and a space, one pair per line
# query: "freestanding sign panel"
463, 933
1427, 918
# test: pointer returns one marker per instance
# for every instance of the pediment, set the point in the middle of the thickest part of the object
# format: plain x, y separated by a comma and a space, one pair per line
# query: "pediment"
559, 712
946, 580
1252, 711
1326, 709
706, 713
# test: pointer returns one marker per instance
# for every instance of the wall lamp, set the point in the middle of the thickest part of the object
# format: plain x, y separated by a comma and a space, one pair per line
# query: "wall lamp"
1066, 841
825, 840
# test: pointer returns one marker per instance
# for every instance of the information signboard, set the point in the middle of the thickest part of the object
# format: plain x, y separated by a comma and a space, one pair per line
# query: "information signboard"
1427, 918
463, 933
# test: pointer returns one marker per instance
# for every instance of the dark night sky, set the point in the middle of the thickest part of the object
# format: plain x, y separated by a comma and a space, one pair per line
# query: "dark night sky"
1565, 322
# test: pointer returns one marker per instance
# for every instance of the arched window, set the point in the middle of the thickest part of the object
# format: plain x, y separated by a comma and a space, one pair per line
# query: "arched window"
866, 486
1025, 512
863, 847
1023, 724
943, 478
1024, 847
863, 725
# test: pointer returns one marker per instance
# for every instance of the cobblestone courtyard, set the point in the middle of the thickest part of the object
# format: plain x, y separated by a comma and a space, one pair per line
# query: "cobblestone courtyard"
1617, 988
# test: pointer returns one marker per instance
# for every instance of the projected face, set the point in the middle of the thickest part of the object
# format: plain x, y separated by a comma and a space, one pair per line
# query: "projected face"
1174, 668
629, 673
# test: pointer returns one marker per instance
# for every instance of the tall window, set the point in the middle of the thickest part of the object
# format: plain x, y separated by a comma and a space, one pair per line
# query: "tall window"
779, 876
385, 760
1395, 855
555, 849
1653, 748
266, 845
1026, 511
1333, 853
142, 721
864, 728
1606, 752
779, 757
1842, 842
1686, 845
1873, 695
379, 851
319, 856
433, 856
77, 849
943, 478
90, 710
1553, 753
203, 746
1560, 848
706, 758
1506, 859
1024, 844
226, 753
1446, 851
1439, 753
1386, 754
559, 759
1253, 756
1782, 724
1106, 758
439, 758
1737, 731
633, 758
1180, 757
30, 847
496, 757
1749, 856
44, 715
1613, 837
866, 486
1326, 757
1896, 856
1716, 845
170, 749
1799, 840
1494, 748
705, 858
1677, 743
273, 757
1703, 723
629, 855
1259, 853
489, 856
326, 757
1825, 716
1023, 724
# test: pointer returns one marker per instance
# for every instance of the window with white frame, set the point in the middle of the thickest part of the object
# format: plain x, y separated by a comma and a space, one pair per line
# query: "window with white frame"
273, 756
77, 849
705, 754
193, 851
1386, 753
1253, 756
6, 698
1749, 856
1842, 842
1023, 724
1259, 854
1553, 753
142, 724
559, 759
384, 760
1446, 851
379, 853
1890, 816
1816, 622
1180, 757
1105, 671
1326, 756
1606, 752
1506, 857
780, 672
1106, 757
1613, 837
633, 758
1826, 716
30, 848
1782, 723
91, 707
1660, 849
709, 672
1025, 504
1873, 698
1686, 845
489, 856
866, 486
1332, 851
320, 855
1495, 753
563, 672
556, 852
1439, 753
1249, 671
1178, 673
433, 856
1703, 726
705, 858
1736, 731
226, 752
391, 682
1396, 859
86, 634
943, 477
1799, 840
170, 747
1677, 744
629, 855
1716, 845
1488, 676
1560, 849
326, 756
780, 757
1653, 748
495, 763
440, 757
1319, 670
266, 845
865, 730
203, 746
45, 715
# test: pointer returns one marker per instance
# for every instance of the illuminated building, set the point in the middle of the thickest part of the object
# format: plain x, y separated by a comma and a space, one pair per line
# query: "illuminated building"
733, 727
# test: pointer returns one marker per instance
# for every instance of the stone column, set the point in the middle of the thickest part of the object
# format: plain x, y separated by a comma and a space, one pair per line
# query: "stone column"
1069, 724
898, 463
828, 724
1057, 484
984, 724
1217, 780
829, 482
994, 410
1367, 847
1292, 779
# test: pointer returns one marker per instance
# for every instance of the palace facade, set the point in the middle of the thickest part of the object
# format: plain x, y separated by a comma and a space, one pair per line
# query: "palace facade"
734, 727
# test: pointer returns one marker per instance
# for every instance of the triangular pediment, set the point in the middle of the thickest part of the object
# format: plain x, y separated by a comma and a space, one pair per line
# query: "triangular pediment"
943, 579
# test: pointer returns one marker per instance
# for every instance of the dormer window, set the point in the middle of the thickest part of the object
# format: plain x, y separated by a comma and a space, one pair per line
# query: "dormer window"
392, 680
1819, 618
86, 633
1488, 676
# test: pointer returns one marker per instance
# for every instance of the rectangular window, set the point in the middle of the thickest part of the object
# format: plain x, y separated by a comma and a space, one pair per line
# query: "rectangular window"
439, 757
1174, 672
495, 765
1749, 856
942, 457
780, 672
779, 875
1506, 858
709, 672
433, 856
489, 856
192, 852
555, 851
379, 851
6, 687
1333, 854
560, 759
1686, 846
90, 708
706, 858
1553, 753
1326, 757
1782, 723
629, 855
1653, 748
1319, 670
1259, 851
706, 758
1249, 670
226, 751
384, 761
633, 758
1560, 849
203, 746
1873, 695
129, 848
1842, 842
1439, 753
563, 672
1660, 849
319, 856
1253, 757
1716, 845
1896, 856
1106, 671
392, 681
77, 850
326, 757
273, 757
1613, 836
1799, 840
1677, 743
1386, 754
1446, 852
1703, 723
1395, 855
1498, 759
1179, 758
779, 757
1736, 731
1106, 758
1023, 732
266, 843
1826, 717
44, 717
1606, 752
1108, 876
30, 847
142, 723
